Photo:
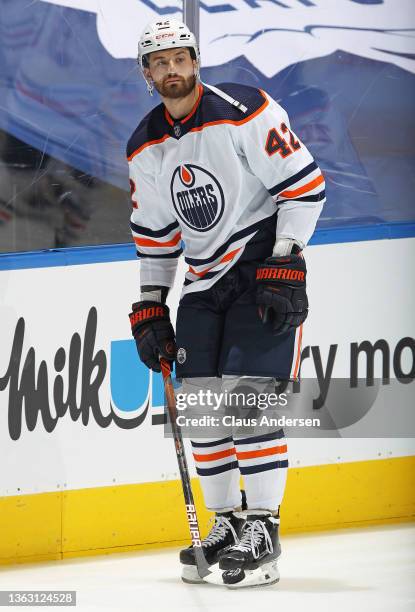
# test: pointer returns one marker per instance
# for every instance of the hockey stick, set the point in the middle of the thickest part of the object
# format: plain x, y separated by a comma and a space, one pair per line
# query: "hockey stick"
201, 563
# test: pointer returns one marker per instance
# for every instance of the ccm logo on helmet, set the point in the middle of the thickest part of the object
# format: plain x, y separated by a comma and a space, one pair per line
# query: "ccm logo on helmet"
167, 35
197, 197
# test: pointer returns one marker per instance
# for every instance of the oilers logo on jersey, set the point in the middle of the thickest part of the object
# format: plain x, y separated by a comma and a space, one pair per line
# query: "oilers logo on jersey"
197, 197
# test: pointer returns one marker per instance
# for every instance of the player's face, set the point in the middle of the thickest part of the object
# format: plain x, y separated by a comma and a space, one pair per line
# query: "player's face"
173, 72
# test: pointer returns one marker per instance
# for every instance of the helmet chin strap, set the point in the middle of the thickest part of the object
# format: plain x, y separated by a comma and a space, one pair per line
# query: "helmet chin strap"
196, 71
150, 86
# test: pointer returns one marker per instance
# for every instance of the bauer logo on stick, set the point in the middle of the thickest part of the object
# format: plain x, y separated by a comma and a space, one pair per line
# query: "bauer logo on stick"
197, 197
194, 529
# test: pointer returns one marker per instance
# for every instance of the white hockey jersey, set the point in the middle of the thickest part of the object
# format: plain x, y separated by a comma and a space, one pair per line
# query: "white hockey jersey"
208, 183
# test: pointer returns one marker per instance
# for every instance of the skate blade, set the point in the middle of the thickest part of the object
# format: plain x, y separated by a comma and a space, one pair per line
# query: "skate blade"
265, 575
215, 576
190, 575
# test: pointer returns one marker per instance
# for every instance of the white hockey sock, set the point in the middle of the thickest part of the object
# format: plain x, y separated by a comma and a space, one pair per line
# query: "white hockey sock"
263, 463
217, 468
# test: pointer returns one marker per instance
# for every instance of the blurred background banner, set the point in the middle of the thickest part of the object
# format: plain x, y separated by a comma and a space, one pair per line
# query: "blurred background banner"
71, 95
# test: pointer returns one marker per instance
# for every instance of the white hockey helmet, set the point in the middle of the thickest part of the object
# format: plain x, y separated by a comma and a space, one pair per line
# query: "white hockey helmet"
167, 34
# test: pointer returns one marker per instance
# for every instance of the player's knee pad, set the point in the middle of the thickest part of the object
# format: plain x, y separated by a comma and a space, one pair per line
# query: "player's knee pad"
201, 399
200, 395
251, 401
248, 384
204, 383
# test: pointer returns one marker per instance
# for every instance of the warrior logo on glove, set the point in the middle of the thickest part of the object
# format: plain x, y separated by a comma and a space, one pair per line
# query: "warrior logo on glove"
281, 293
153, 333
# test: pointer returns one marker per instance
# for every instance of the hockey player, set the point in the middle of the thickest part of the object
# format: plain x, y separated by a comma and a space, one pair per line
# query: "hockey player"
220, 171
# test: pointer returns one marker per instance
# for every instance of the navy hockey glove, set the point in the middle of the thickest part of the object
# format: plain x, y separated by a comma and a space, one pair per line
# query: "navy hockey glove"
153, 333
281, 293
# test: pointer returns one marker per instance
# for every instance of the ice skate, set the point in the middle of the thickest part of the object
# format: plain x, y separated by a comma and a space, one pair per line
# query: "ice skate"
222, 536
253, 560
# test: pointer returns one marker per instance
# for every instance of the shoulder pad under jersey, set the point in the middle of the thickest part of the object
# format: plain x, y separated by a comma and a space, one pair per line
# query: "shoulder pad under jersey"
152, 127
216, 108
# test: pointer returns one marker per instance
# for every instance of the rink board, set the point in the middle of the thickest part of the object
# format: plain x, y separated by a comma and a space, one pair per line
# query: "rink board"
135, 517
87, 482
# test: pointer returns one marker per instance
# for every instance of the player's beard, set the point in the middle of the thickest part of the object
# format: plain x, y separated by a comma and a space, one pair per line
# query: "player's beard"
176, 90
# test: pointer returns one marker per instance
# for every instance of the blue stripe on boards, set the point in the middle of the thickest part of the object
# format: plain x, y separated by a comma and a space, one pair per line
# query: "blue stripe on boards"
362, 233
76, 256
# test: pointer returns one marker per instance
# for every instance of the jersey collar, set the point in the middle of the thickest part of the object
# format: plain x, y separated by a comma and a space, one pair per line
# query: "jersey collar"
171, 121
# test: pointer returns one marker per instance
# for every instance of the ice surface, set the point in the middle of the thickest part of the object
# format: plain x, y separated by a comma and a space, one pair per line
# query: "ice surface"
369, 569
